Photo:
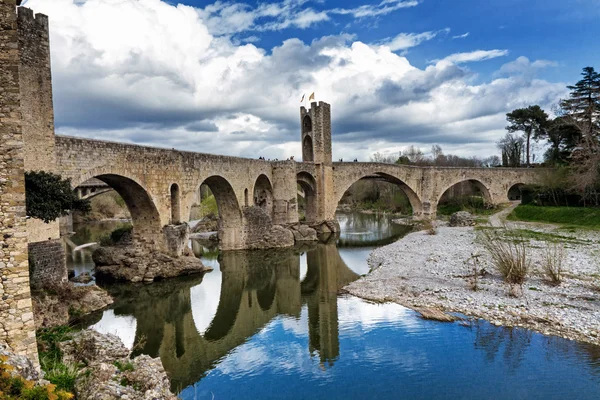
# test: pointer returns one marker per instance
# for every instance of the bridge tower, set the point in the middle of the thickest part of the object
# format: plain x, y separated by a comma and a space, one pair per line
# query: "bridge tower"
315, 124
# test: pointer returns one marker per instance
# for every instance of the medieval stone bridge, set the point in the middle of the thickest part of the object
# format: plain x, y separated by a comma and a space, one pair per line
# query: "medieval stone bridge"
160, 186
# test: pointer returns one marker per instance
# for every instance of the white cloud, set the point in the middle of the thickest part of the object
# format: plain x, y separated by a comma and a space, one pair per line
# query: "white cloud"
463, 36
372, 10
472, 56
522, 65
159, 76
404, 41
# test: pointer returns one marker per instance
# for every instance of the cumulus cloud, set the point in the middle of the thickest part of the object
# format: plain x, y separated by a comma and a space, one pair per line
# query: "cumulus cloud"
150, 72
404, 41
524, 66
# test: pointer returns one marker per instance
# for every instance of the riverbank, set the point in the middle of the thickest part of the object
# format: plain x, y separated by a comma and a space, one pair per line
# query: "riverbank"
436, 271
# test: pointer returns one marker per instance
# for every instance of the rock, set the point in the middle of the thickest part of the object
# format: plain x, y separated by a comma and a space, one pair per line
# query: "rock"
82, 278
59, 304
435, 314
130, 264
22, 366
210, 223
304, 233
276, 237
177, 238
326, 227
462, 218
262, 234
91, 347
109, 373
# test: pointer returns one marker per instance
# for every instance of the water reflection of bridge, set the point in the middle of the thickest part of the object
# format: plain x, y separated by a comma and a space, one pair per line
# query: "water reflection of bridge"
255, 288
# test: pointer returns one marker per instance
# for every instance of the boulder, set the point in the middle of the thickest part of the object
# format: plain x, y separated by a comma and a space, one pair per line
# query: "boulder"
91, 347
462, 218
136, 265
326, 227
59, 304
84, 278
260, 233
210, 223
304, 233
177, 238
21, 365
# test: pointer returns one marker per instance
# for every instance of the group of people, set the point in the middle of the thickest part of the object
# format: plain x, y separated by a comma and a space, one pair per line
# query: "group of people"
277, 159
342, 160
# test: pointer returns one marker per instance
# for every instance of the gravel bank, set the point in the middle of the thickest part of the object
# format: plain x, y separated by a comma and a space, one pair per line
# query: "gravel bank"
433, 271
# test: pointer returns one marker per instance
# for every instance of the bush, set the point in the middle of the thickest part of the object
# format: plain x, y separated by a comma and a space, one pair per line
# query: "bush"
110, 239
17, 388
554, 256
509, 257
472, 204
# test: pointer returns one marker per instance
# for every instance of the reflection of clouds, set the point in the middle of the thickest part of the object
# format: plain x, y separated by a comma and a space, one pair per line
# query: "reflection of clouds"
205, 297
357, 314
122, 326
303, 266
355, 259
298, 327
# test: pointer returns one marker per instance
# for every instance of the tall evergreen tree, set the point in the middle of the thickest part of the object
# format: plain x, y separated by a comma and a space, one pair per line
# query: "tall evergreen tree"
563, 137
532, 121
583, 104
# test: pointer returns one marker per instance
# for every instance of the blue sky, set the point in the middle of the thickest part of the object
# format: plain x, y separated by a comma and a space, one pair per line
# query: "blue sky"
226, 77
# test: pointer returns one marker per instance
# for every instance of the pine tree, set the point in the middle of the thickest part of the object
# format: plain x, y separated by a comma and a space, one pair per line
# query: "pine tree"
532, 121
583, 104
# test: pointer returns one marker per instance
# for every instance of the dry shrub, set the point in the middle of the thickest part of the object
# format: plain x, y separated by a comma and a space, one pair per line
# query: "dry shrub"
554, 256
509, 257
429, 228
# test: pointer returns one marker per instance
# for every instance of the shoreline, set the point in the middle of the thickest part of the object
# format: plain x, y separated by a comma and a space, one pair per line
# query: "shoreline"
423, 271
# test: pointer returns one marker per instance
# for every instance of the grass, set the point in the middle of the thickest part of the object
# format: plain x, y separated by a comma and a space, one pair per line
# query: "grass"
509, 257
473, 204
554, 256
569, 217
124, 366
60, 374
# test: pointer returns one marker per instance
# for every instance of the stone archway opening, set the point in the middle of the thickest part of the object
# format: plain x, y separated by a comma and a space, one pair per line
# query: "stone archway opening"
468, 195
227, 210
307, 149
263, 195
514, 192
145, 217
175, 204
307, 197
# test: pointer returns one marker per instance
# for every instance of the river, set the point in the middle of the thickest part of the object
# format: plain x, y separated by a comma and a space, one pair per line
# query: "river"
272, 324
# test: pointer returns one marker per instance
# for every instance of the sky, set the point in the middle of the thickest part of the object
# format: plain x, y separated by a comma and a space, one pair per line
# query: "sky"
227, 77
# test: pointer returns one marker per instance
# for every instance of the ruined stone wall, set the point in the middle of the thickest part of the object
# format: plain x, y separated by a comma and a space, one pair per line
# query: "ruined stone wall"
17, 329
47, 262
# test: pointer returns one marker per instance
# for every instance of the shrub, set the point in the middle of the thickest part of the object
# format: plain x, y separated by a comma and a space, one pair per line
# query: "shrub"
17, 388
509, 257
554, 256
115, 236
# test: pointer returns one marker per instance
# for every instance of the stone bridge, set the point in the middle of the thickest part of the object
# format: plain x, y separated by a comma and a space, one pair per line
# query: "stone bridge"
160, 185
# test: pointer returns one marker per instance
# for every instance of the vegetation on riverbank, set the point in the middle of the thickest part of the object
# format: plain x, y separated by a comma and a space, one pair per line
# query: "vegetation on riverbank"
575, 217
16, 388
472, 204
110, 239
61, 374
208, 206
109, 205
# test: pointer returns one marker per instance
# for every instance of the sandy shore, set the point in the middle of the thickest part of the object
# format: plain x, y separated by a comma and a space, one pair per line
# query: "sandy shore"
434, 271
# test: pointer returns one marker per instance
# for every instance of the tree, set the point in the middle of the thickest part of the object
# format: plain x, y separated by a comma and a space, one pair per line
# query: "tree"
583, 104
48, 196
563, 136
511, 147
415, 155
532, 121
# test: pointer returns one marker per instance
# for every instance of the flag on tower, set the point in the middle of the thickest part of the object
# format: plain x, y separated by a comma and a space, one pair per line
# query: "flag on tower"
312, 96
302, 98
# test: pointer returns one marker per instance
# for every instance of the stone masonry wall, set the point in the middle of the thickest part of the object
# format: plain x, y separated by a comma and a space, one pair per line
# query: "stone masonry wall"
47, 263
17, 329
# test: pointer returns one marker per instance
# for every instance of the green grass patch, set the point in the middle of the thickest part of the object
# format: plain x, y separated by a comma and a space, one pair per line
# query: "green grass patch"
569, 217
472, 204
51, 358
124, 366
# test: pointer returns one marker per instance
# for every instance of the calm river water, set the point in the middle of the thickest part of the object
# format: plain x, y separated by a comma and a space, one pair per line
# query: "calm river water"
270, 325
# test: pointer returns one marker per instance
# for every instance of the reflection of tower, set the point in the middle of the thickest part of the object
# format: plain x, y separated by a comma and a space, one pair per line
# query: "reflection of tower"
320, 285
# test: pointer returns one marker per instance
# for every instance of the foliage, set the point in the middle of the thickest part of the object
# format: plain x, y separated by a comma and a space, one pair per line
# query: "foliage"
415, 156
124, 366
511, 147
572, 216
377, 196
473, 204
51, 358
116, 235
509, 257
563, 136
49, 196
554, 256
18, 388
532, 121
583, 104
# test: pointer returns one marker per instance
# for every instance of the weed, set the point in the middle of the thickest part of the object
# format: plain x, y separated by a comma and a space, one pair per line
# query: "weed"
510, 258
123, 366
554, 256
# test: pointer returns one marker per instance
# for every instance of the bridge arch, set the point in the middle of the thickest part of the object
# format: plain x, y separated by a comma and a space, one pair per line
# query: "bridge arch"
484, 189
514, 191
142, 208
230, 214
309, 186
263, 194
413, 197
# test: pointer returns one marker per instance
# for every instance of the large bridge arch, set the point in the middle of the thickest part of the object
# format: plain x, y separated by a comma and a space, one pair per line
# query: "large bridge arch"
145, 215
342, 185
263, 194
484, 187
308, 184
230, 213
